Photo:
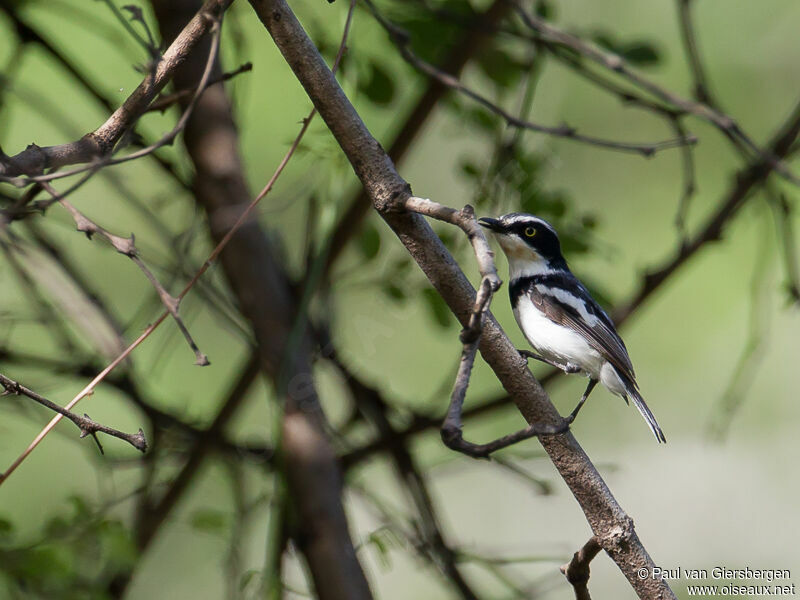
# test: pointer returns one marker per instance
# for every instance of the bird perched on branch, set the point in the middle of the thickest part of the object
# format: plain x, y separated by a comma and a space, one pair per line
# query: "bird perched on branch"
557, 314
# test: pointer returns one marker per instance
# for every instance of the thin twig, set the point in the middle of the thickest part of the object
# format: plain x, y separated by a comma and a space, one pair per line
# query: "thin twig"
783, 211
745, 181
465, 220
243, 217
689, 182
28, 33
613, 62
84, 423
701, 89
401, 40
127, 247
101, 141
165, 101
165, 140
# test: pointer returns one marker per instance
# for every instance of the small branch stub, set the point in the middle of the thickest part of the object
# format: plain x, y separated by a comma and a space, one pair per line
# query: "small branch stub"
577, 570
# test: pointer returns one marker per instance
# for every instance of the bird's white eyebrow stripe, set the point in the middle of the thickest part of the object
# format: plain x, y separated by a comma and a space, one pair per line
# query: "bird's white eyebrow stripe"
513, 218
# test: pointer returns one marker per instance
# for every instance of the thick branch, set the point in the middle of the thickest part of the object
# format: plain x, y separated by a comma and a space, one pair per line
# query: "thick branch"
388, 191
469, 46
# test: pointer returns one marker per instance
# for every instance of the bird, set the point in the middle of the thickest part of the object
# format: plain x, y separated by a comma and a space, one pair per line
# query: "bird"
557, 314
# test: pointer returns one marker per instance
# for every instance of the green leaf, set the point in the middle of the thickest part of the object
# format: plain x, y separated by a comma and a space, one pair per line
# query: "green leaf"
637, 52
209, 521
437, 307
395, 292
369, 242
378, 87
641, 53
6, 527
499, 66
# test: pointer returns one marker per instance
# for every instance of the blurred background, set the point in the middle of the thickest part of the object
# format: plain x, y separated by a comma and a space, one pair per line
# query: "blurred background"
715, 346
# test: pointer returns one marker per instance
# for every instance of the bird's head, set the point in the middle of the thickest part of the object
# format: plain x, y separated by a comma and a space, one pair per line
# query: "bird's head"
530, 243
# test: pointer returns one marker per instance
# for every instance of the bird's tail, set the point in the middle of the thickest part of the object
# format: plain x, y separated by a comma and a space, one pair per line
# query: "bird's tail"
634, 395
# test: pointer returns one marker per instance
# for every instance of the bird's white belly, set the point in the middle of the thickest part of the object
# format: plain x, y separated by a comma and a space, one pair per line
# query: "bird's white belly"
556, 342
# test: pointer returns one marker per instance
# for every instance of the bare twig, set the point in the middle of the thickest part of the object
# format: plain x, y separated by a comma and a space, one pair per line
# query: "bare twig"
127, 247
452, 427
401, 40
577, 570
689, 182
165, 101
549, 33
84, 423
243, 217
745, 181
101, 141
752, 356
701, 89
464, 50
105, 161
783, 212
27, 32
465, 220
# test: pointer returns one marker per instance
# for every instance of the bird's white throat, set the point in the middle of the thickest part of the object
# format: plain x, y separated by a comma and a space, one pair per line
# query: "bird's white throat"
523, 261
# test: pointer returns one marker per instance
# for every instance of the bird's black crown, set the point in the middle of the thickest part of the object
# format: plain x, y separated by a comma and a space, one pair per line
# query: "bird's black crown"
537, 233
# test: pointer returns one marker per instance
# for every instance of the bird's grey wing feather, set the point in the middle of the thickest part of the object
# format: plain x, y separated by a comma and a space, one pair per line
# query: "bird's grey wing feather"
600, 336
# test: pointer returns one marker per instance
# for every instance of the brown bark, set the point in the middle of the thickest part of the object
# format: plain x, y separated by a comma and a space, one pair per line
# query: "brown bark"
388, 191
265, 298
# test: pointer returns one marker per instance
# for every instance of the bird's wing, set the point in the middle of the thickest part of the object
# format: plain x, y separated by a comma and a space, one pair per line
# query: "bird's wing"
570, 306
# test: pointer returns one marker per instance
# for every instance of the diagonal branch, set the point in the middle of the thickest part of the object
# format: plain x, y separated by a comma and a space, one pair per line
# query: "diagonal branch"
388, 191
100, 142
744, 183
28, 33
127, 247
469, 46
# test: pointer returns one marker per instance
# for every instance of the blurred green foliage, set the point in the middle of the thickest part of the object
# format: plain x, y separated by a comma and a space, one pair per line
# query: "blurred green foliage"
67, 517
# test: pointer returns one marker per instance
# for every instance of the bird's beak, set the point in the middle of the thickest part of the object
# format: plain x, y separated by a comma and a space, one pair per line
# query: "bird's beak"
491, 224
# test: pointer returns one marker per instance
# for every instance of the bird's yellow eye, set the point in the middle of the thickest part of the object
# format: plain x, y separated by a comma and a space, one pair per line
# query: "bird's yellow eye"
530, 232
